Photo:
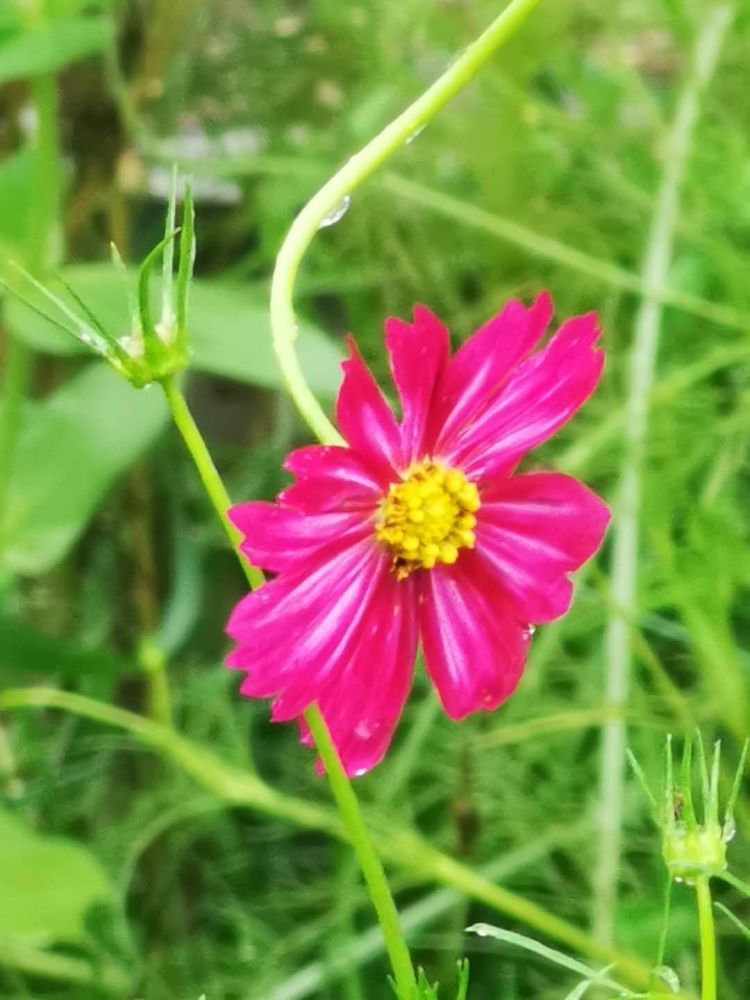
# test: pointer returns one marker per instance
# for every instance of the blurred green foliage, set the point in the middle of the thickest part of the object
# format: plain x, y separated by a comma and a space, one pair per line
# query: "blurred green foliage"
542, 174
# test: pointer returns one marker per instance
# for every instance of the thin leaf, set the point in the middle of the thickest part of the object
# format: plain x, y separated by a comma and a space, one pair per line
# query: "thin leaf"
703, 773
167, 266
638, 771
147, 326
124, 276
542, 950
669, 790
28, 304
735, 882
712, 806
736, 785
187, 262
580, 990
84, 308
686, 783
745, 931
88, 337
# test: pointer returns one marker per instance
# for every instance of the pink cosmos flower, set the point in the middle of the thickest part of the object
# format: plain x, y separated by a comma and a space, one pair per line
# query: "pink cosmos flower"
420, 532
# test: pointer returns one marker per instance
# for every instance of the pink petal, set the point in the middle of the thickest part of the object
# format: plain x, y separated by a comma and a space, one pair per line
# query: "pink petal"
419, 352
364, 699
287, 632
331, 478
364, 417
278, 538
342, 634
539, 397
535, 530
474, 648
480, 366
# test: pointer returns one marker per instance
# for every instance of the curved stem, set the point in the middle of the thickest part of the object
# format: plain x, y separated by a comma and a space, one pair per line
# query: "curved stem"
356, 170
369, 862
408, 850
708, 938
208, 473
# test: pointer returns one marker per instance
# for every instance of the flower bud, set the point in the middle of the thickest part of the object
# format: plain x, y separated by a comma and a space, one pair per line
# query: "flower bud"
153, 350
694, 841
690, 853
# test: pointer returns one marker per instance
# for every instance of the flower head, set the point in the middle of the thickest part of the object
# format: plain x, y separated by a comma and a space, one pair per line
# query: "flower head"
421, 532
153, 350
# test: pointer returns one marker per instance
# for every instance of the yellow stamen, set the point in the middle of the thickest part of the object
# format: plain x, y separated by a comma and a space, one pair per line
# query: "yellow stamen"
428, 518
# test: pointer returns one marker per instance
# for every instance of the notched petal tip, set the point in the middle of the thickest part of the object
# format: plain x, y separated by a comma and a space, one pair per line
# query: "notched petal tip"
418, 353
364, 417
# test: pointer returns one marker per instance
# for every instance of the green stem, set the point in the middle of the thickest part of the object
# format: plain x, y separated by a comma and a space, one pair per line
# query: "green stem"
356, 170
708, 938
210, 478
467, 214
369, 862
154, 665
341, 788
626, 532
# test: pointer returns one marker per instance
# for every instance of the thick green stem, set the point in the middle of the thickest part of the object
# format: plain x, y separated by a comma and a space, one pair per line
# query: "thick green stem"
356, 170
708, 938
154, 665
208, 473
369, 862
626, 532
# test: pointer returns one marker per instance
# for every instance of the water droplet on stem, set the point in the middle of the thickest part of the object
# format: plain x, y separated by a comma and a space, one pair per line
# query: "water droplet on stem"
337, 213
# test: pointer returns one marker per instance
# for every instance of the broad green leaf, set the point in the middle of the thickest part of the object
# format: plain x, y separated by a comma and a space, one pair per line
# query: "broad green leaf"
27, 653
230, 336
67, 8
47, 49
228, 328
73, 447
49, 884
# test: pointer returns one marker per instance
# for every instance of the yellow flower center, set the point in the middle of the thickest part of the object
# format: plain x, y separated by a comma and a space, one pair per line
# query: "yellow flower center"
428, 517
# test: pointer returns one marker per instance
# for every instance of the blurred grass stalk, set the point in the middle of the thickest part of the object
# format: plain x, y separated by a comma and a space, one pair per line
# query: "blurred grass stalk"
618, 642
39, 251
